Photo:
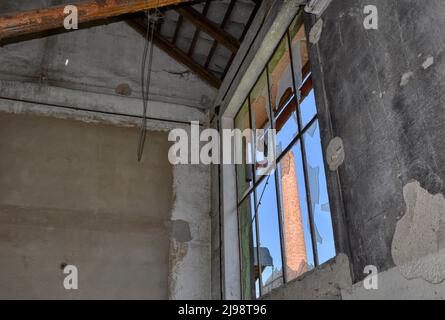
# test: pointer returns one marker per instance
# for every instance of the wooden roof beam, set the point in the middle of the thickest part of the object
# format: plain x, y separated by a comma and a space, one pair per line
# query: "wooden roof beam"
212, 29
35, 21
140, 26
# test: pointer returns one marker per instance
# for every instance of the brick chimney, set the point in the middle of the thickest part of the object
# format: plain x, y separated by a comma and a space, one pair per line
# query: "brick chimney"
295, 248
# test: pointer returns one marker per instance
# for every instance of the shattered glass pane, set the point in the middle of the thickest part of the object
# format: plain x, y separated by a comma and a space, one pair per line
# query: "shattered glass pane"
300, 52
287, 126
280, 77
296, 229
269, 235
261, 118
244, 171
319, 195
308, 108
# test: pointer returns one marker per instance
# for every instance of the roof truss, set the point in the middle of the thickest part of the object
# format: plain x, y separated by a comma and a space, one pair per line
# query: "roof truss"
24, 25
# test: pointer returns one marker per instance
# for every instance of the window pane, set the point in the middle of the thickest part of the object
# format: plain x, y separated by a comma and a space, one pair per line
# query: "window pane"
260, 106
308, 108
286, 125
244, 171
269, 235
280, 77
319, 194
256, 276
282, 91
300, 52
248, 240
296, 227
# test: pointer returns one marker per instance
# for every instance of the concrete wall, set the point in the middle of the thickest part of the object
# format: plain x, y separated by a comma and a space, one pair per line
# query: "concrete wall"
93, 75
74, 193
382, 92
419, 279
98, 60
323, 283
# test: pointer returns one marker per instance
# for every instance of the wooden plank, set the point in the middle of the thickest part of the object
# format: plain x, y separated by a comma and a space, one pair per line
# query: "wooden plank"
246, 29
23, 23
222, 26
141, 26
209, 27
178, 28
196, 35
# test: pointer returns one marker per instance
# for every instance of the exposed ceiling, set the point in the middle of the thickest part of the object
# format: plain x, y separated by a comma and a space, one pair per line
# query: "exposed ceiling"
209, 33
200, 39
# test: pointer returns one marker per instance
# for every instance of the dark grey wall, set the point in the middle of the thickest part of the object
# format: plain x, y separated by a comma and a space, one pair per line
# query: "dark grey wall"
374, 92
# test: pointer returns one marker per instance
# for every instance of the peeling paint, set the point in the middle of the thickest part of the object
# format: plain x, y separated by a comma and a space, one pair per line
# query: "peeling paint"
189, 263
335, 153
178, 251
406, 78
422, 279
181, 231
430, 269
420, 231
317, 7
428, 63
315, 33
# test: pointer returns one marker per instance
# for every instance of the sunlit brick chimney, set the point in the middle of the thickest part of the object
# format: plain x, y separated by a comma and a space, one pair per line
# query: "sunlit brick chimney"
295, 249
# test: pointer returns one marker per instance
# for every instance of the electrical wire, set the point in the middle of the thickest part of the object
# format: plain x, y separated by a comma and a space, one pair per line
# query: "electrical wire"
152, 19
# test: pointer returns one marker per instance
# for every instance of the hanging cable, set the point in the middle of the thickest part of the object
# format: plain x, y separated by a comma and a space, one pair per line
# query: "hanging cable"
152, 19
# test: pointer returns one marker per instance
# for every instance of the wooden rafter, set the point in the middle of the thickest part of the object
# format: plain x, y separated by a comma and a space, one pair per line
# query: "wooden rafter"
222, 26
209, 27
140, 25
178, 28
37, 23
29, 22
246, 29
197, 31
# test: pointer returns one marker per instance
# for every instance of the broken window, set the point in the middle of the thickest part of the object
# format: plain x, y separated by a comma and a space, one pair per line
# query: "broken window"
284, 217
261, 120
244, 170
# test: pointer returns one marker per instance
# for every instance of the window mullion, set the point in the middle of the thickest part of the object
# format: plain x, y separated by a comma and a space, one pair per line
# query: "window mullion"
254, 184
278, 196
304, 158
257, 227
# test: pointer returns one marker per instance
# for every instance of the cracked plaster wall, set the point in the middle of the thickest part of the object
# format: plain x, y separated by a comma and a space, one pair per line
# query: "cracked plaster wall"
382, 92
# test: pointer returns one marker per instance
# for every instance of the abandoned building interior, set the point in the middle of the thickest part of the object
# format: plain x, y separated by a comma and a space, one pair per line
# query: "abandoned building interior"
348, 96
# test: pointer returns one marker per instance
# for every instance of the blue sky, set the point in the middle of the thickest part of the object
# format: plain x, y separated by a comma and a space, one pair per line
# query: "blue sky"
267, 210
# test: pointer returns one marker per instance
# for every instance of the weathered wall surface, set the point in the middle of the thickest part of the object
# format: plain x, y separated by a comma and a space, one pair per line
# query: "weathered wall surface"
324, 283
74, 193
190, 241
419, 279
98, 60
93, 75
383, 92
190, 247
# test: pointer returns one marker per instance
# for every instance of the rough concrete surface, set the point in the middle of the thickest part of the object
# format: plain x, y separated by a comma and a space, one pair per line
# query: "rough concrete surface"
190, 256
421, 230
74, 193
373, 91
420, 279
99, 60
322, 283
315, 32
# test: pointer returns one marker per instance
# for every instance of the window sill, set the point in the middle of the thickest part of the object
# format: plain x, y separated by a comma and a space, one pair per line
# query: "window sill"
322, 283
